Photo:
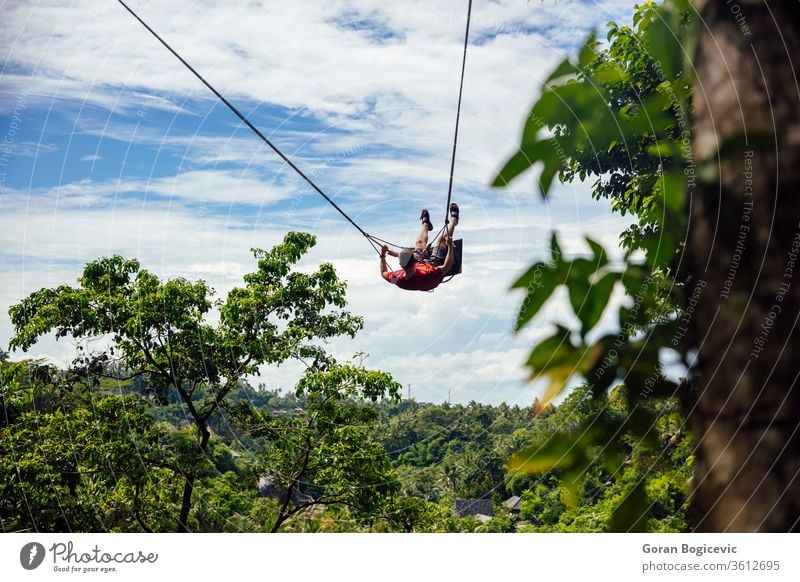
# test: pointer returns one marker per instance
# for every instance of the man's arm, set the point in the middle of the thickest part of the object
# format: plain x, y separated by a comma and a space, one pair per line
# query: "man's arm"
384, 266
448, 260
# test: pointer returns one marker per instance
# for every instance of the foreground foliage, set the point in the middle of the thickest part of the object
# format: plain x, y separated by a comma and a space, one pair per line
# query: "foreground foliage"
619, 115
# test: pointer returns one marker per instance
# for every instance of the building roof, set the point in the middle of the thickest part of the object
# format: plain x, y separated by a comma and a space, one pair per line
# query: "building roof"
465, 507
513, 502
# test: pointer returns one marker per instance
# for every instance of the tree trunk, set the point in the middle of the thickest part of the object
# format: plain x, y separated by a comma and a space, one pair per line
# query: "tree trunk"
186, 504
744, 260
188, 487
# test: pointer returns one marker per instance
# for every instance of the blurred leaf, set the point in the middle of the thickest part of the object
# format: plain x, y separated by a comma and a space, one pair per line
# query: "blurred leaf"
632, 512
673, 189
540, 280
608, 74
596, 301
660, 248
528, 155
633, 277
566, 67
578, 287
552, 165
517, 164
588, 52
667, 148
586, 299
558, 360
642, 425
556, 255
543, 113
650, 119
559, 451
662, 44
600, 258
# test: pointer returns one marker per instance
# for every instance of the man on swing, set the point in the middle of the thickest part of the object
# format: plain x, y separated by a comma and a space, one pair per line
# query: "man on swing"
423, 267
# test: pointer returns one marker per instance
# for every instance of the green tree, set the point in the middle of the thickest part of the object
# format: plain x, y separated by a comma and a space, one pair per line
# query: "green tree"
161, 330
75, 460
327, 455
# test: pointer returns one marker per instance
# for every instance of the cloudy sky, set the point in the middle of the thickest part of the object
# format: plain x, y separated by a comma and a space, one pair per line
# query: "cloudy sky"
110, 146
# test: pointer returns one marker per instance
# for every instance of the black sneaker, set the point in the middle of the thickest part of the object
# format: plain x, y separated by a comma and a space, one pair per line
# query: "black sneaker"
425, 217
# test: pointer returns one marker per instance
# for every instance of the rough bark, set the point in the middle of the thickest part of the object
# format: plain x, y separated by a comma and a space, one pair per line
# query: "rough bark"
744, 232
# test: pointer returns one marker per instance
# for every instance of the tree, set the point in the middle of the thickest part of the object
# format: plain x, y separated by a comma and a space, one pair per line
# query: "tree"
75, 460
723, 296
744, 240
326, 455
160, 330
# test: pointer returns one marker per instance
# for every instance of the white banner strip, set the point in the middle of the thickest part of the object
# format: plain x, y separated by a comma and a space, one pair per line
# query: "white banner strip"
399, 557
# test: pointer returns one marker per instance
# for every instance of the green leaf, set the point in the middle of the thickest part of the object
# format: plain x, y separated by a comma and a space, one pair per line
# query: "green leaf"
633, 277
588, 52
608, 74
540, 281
662, 44
660, 248
667, 148
578, 287
673, 190
526, 157
600, 259
596, 301
552, 165
556, 255
556, 359
559, 451
566, 67
652, 118
613, 29
588, 300
547, 111
642, 425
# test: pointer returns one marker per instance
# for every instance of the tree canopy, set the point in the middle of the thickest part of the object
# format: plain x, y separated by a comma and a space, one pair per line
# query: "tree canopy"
160, 331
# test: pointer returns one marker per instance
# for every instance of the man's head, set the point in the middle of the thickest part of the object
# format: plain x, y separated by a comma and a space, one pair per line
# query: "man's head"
406, 258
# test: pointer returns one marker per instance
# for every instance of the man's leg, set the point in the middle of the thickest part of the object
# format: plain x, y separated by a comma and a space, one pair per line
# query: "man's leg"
422, 239
449, 231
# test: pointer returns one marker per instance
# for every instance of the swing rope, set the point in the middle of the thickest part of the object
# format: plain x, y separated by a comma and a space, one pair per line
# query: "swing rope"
255, 130
458, 116
373, 241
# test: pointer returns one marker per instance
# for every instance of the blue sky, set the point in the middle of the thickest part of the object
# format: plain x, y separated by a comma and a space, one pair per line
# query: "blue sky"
110, 146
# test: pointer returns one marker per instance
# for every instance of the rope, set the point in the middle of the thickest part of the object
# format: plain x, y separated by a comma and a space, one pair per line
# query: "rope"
251, 126
458, 116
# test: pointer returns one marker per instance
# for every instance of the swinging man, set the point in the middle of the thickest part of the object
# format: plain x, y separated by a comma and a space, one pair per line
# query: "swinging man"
423, 267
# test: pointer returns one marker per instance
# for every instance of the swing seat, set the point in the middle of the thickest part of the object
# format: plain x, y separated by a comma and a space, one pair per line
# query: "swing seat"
456, 268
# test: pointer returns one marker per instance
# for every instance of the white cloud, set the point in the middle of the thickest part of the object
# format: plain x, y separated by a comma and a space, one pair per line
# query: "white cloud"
370, 114
195, 188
